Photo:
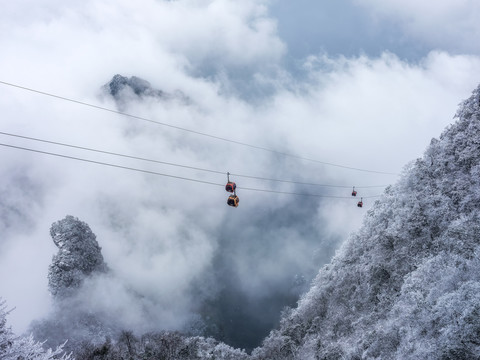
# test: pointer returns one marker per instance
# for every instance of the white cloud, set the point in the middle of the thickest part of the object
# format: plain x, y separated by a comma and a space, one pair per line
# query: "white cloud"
356, 111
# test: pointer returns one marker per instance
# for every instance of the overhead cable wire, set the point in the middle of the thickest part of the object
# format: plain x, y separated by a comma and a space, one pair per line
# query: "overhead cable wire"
179, 165
109, 152
108, 164
305, 194
169, 175
193, 131
307, 183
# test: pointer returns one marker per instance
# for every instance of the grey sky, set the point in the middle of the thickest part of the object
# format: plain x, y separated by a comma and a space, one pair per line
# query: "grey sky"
339, 28
364, 84
352, 27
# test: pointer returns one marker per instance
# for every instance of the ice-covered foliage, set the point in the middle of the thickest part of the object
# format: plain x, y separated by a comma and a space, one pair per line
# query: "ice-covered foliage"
161, 345
79, 255
23, 348
407, 284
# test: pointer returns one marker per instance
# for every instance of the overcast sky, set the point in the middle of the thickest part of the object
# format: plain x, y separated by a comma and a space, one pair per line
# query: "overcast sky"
356, 83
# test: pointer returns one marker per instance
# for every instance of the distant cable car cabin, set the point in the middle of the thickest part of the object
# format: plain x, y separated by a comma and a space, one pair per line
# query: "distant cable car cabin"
354, 192
233, 200
360, 203
231, 186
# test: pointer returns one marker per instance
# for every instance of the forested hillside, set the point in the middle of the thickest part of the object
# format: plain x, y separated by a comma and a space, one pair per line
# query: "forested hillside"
407, 284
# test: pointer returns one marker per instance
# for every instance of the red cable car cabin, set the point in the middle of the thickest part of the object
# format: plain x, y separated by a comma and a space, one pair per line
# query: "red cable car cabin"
233, 200
354, 192
231, 186
360, 203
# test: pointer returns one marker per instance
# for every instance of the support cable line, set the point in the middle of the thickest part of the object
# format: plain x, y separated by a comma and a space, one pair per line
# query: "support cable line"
169, 175
307, 183
107, 164
109, 152
193, 131
178, 165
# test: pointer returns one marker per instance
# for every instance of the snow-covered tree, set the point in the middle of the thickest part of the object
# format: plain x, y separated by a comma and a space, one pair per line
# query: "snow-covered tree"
160, 345
23, 348
79, 255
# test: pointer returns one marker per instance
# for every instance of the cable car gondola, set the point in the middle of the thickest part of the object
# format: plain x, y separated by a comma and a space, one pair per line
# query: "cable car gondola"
354, 192
231, 186
233, 200
360, 203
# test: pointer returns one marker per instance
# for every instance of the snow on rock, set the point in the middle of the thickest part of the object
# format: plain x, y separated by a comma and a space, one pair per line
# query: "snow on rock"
79, 255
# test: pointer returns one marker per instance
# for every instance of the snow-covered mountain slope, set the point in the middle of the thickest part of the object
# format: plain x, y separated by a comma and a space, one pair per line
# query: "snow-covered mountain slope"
407, 284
